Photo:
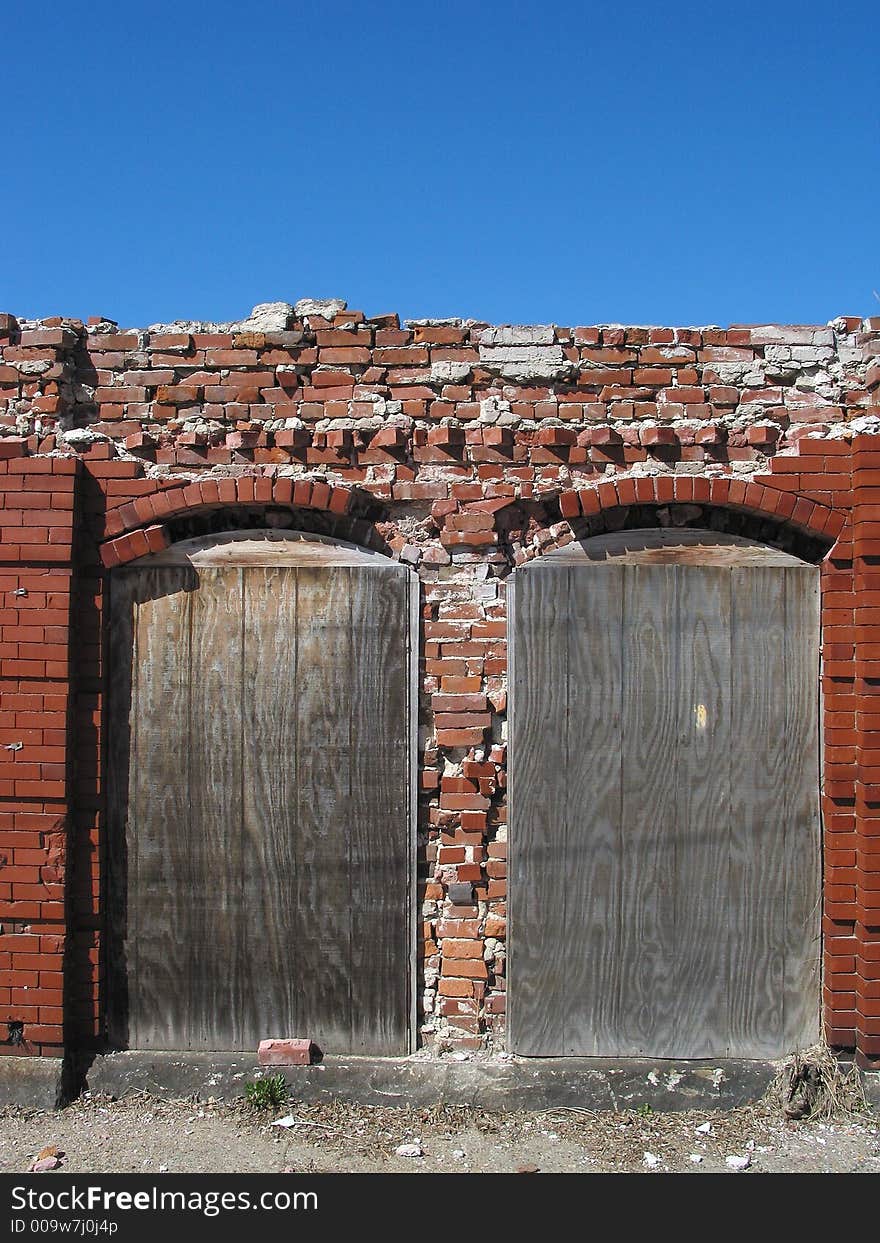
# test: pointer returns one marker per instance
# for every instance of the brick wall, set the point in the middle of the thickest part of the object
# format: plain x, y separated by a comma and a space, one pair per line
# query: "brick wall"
462, 449
37, 517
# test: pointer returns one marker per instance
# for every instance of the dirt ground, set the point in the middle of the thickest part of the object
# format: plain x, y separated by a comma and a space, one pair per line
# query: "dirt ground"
143, 1134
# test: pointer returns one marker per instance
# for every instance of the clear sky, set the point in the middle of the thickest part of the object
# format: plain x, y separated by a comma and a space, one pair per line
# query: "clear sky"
638, 162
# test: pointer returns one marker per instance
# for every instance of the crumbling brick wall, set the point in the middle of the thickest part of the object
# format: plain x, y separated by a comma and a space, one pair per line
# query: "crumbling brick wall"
462, 449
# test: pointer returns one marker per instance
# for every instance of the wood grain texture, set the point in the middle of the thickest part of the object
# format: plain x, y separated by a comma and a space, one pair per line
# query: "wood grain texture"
593, 858
757, 786
121, 740
160, 872
651, 670
538, 951
263, 782
211, 1000
378, 814
265, 547
269, 798
671, 546
323, 879
702, 823
675, 883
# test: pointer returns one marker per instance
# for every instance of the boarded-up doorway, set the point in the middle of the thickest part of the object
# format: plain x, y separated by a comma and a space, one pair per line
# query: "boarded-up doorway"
664, 788
261, 796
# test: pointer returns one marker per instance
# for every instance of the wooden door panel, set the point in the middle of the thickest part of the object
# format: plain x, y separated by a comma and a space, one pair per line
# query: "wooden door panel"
593, 888
757, 821
648, 807
700, 996
536, 1015
158, 948
378, 797
210, 1001
323, 881
261, 821
664, 828
270, 781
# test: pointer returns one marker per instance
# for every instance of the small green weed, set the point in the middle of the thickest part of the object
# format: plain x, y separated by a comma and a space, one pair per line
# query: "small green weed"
266, 1094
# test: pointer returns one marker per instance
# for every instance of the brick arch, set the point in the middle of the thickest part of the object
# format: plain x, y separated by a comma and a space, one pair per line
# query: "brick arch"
138, 527
756, 498
784, 508
849, 908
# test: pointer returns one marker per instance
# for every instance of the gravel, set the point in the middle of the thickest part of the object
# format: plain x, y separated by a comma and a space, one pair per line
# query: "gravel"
144, 1134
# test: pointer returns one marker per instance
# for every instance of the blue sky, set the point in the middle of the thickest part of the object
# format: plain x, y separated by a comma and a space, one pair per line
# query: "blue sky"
520, 162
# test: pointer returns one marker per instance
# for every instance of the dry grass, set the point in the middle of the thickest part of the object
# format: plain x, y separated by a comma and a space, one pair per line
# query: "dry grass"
813, 1085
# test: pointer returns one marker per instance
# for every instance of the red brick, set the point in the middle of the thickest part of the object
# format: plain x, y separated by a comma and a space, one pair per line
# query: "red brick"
286, 1052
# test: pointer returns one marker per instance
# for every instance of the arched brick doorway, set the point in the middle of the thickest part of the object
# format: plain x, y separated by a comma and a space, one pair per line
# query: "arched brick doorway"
260, 819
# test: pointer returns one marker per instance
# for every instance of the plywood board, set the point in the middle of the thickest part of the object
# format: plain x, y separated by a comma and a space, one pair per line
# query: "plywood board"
664, 807
537, 931
262, 778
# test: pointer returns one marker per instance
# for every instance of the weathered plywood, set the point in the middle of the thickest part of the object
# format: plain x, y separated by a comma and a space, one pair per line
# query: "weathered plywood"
120, 737
664, 833
649, 809
159, 870
263, 547
270, 780
323, 895
592, 811
379, 859
671, 546
262, 804
700, 997
536, 1012
757, 824
210, 1000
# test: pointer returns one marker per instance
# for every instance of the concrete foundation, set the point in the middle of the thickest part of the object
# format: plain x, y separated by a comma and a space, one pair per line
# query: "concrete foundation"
32, 1082
490, 1083
493, 1083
